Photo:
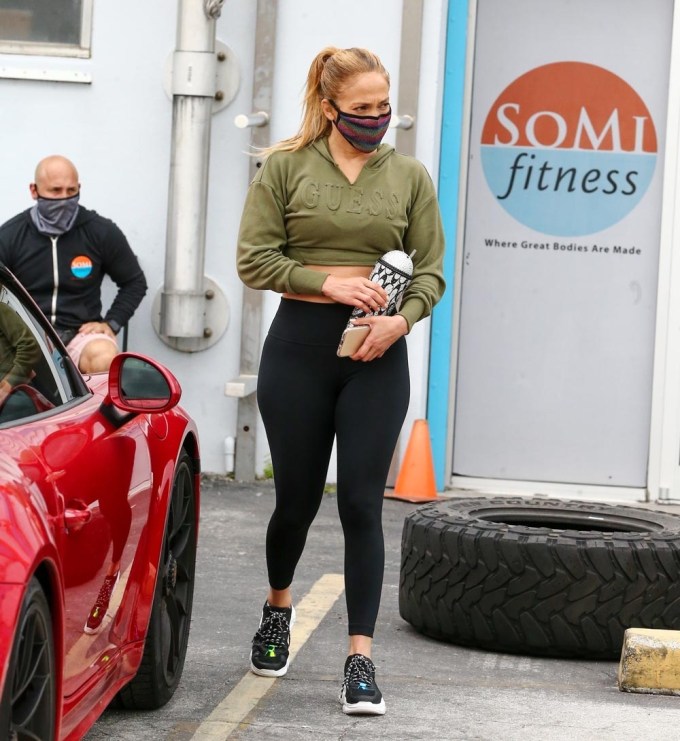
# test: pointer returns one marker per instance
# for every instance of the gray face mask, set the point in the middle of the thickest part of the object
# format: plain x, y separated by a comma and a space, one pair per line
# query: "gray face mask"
54, 216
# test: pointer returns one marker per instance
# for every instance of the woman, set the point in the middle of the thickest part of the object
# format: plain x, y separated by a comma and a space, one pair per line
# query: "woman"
325, 205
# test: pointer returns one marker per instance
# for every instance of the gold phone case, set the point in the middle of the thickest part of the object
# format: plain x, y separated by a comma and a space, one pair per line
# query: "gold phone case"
352, 339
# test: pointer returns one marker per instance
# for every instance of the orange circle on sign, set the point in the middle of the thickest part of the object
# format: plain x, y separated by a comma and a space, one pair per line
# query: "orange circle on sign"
549, 97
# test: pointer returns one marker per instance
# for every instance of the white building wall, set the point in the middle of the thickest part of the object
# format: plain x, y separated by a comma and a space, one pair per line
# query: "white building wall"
117, 131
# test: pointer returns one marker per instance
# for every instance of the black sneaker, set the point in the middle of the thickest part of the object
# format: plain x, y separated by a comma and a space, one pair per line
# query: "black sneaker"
360, 694
269, 655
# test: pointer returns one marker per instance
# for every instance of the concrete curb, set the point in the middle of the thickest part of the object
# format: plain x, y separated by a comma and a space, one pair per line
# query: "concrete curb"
650, 662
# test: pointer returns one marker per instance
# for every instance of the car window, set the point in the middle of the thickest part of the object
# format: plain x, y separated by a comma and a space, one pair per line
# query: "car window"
33, 374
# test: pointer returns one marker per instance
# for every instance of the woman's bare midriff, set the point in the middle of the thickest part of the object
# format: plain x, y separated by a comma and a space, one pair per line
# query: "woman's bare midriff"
340, 271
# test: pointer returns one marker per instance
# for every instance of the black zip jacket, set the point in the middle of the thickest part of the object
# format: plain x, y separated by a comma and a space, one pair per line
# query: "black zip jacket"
64, 274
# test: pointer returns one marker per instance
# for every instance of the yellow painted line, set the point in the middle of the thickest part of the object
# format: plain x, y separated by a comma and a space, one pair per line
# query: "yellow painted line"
310, 611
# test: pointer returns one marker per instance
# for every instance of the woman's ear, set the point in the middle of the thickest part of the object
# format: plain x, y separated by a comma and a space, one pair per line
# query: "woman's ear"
328, 109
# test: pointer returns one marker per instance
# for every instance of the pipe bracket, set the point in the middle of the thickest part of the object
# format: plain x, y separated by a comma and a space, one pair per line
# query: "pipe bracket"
213, 75
213, 317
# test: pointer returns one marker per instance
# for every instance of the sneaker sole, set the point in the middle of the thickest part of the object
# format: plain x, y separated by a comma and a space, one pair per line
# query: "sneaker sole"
269, 672
274, 672
92, 631
364, 708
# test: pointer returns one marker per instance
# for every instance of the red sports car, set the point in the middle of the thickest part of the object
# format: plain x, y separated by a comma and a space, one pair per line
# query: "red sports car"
99, 504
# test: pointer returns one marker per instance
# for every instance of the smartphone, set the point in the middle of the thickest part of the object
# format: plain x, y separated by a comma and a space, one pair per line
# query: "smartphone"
352, 339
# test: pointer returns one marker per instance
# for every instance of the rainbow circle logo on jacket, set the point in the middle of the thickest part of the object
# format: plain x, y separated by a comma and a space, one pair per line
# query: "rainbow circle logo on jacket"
81, 266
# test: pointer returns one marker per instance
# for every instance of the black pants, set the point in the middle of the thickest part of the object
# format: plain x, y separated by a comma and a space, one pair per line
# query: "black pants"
307, 397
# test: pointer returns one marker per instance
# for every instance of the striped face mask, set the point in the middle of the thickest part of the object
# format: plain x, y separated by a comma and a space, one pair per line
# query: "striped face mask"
363, 132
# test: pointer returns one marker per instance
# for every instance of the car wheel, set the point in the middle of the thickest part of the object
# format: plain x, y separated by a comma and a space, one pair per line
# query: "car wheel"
166, 641
539, 576
28, 703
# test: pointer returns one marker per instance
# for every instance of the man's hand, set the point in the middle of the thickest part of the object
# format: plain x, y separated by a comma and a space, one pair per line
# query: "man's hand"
94, 327
385, 331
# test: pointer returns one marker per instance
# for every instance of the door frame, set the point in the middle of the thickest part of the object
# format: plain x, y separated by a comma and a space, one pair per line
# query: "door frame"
663, 470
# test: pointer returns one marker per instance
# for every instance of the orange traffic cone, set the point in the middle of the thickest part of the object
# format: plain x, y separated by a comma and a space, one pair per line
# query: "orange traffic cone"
416, 480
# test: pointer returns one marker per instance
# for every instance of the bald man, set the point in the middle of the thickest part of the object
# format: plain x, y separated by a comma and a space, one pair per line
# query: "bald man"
61, 252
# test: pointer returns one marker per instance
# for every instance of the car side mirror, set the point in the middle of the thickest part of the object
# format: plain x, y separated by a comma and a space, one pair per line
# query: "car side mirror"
139, 384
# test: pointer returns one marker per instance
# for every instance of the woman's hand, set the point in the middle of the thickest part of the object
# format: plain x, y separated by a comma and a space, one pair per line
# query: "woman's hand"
359, 292
385, 331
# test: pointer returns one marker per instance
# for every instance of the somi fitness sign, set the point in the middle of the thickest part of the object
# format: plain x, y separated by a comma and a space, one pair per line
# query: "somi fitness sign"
569, 148
560, 240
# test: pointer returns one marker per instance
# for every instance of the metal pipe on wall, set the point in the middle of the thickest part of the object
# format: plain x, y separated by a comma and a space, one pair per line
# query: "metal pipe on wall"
193, 92
251, 324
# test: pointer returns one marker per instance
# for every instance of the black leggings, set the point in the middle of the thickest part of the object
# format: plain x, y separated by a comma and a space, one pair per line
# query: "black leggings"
307, 396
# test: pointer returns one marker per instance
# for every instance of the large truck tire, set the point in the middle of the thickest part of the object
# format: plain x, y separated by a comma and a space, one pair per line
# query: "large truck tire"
539, 576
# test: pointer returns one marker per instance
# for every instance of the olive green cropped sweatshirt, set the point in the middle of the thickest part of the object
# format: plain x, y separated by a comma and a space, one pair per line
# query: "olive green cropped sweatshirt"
301, 210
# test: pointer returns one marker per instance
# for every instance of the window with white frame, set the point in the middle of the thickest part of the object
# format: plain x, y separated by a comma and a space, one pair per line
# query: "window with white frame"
46, 27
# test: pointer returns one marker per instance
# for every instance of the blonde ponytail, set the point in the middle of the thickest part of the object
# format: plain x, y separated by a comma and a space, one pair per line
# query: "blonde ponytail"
330, 71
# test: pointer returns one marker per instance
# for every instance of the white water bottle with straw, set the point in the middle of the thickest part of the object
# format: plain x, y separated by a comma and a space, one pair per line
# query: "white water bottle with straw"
393, 272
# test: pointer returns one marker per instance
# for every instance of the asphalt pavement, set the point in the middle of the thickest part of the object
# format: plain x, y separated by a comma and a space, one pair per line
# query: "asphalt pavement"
432, 690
